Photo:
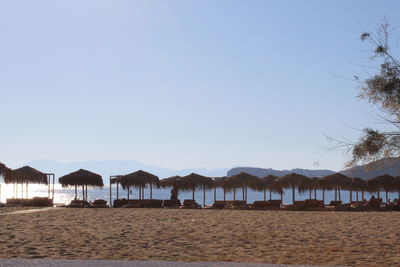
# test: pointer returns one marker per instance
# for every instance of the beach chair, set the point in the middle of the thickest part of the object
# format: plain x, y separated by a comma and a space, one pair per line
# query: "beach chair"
335, 203
372, 205
120, 202
261, 205
155, 203
190, 204
219, 204
11, 202
171, 203
100, 203
313, 203
134, 203
275, 204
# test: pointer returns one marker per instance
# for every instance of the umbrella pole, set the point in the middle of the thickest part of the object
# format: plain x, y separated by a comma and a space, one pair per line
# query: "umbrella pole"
26, 190
117, 190
151, 191
243, 193
362, 194
110, 193
193, 194
215, 193
270, 194
293, 194
387, 199
234, 194
265, 194
357, 195
142, 192
224, 194
22, 190
351, 196
54, 177
315, 193
335, 194
76, 192
340, 199
128, 192
204, 196
83, 192
323, 196
48, 186
86, 192
379, 194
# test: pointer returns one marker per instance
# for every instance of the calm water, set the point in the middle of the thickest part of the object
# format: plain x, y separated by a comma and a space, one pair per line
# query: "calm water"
65, 195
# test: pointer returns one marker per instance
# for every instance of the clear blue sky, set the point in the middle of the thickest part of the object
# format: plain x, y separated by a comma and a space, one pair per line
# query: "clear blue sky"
183, 83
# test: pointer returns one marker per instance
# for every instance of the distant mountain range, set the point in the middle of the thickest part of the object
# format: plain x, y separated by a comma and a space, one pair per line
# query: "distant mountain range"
389, 166
115, 167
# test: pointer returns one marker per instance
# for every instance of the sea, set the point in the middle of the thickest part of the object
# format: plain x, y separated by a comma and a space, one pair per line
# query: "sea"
65, 195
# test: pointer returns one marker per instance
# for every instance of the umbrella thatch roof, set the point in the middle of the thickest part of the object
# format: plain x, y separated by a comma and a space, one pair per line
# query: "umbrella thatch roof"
170, 181
3, 169
358, 184
80, 178
271, 183
307, 184
116, 179
338, 180
194, 181
25, 174
291, 180
140, 179
385, 182
245, 179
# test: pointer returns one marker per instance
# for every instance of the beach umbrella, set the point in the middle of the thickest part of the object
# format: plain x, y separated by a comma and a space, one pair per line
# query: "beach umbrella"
270, 183
308, 184
385, 182
292, 180
244, 180
82, 178
25, 175
338, 181
358, 184
221, 182
3, 169
194, 181
140, 179
170, 181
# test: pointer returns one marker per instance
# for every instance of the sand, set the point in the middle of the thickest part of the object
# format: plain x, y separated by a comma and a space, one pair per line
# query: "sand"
286, 237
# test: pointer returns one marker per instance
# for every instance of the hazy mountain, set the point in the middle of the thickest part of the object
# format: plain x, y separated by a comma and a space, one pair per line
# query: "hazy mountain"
389, 166
260, 172
115, 167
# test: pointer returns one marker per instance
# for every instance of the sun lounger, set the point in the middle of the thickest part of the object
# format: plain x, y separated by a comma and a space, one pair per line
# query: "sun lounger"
335, 203
313, 203
276, 204
218, 204
99, 203
372, 204
171, 203
120, 202
261, 205
190, 204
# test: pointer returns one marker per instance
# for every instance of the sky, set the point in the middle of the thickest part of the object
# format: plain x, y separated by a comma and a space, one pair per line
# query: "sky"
184, 84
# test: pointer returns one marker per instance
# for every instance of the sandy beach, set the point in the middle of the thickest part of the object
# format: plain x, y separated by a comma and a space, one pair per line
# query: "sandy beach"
320, 238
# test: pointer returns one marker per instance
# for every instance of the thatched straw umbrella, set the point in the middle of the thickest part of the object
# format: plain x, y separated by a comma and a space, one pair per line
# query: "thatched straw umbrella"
358, 184
244, 180
270, 182
25, 175
385, 182
140, 179
194, 181
221, 182
171, 182
3, 170
292, 180
338, 181
308, 184
82, 178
